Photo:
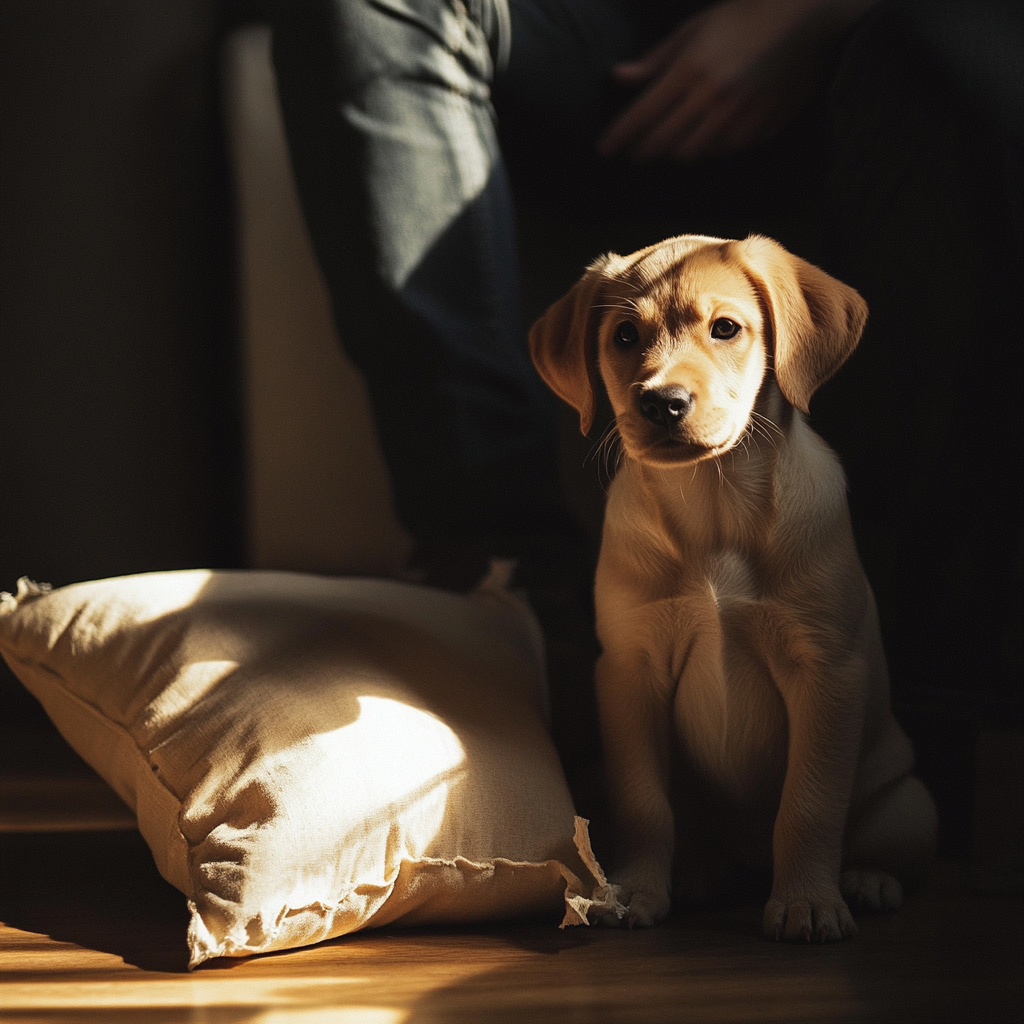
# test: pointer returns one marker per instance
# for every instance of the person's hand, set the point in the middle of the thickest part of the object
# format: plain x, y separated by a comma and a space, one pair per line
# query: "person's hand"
728, 77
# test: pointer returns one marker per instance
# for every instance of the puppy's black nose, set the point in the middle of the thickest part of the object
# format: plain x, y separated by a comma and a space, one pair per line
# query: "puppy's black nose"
665, 406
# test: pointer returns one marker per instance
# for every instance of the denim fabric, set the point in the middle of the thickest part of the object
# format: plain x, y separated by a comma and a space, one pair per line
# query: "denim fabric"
388, 114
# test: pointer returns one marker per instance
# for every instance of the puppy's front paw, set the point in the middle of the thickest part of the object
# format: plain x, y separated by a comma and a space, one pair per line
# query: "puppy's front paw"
815, 917
871, 890
646, 902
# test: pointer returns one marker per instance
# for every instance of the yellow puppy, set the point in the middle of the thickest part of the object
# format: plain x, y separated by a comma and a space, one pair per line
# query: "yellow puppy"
743, 689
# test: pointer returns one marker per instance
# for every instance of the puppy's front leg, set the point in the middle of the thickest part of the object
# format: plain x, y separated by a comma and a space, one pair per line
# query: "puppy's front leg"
636, 722
825, 711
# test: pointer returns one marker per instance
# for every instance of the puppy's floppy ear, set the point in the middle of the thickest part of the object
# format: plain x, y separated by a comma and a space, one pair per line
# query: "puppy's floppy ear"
816, 320
563, 343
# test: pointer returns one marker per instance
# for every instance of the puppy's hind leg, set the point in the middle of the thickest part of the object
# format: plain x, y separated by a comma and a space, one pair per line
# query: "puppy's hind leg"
889, 845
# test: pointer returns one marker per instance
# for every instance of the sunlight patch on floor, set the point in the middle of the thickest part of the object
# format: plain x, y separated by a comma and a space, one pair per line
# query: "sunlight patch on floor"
267, 994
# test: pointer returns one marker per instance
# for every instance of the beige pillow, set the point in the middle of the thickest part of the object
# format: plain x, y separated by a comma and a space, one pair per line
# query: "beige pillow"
307, 756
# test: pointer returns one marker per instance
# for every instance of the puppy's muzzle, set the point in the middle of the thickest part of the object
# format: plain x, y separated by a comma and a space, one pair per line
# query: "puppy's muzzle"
665, 406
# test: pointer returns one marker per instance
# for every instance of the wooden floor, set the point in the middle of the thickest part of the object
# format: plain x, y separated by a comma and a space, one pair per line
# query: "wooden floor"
92, 935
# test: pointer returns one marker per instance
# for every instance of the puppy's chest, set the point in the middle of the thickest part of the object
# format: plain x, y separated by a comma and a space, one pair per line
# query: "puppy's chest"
707, 641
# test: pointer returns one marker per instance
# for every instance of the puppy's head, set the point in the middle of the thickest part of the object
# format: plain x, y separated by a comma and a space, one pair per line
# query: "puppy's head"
682, 335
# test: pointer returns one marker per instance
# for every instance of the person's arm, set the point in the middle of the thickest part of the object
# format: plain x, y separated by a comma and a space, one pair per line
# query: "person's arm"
728, 77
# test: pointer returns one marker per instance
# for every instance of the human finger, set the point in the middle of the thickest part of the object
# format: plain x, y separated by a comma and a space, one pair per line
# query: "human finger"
701, 105
714, 132
655, 60
670, 91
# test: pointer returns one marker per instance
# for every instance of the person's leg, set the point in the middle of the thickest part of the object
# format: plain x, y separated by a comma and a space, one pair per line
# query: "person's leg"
388, 116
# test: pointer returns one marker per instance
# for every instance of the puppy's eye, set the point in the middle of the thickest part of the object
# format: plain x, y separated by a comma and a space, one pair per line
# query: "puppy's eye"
723, 328
626, 334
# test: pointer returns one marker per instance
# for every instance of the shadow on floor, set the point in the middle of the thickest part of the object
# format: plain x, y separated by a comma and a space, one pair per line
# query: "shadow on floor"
98, 890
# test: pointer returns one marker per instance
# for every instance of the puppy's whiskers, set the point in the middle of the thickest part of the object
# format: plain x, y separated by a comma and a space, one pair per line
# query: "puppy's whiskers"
608, 450
744, 444
750, 438
768, 428
760, 426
